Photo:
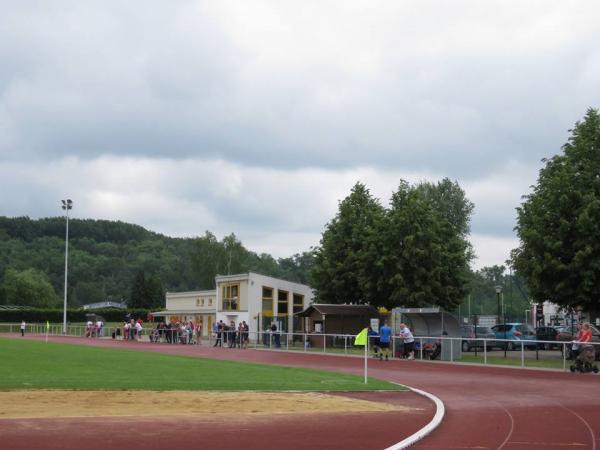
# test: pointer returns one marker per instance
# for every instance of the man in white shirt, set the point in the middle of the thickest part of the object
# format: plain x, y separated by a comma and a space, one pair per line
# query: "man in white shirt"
138, 330
409, 341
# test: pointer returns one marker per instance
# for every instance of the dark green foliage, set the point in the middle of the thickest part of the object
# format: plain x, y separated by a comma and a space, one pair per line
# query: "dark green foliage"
37, 315
146, 292
425, 252
298, 267
344, 269
559, 223
29, 287
105, 258
482, 288
415, 253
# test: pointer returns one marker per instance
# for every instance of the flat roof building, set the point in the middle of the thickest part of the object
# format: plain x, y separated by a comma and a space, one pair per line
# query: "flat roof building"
257, 299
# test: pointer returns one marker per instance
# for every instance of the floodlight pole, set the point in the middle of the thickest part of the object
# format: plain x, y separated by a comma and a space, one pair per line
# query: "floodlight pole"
66, 205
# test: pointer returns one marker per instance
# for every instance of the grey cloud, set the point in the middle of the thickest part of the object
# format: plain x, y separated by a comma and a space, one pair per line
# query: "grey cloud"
172, 82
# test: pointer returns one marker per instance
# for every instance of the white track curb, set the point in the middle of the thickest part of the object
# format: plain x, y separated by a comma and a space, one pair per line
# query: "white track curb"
437, 419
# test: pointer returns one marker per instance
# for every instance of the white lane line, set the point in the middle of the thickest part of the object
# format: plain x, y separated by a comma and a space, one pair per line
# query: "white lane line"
512, 427
440, 411
586, 424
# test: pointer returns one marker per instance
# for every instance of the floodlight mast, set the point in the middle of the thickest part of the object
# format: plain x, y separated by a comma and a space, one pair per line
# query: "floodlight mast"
66, 205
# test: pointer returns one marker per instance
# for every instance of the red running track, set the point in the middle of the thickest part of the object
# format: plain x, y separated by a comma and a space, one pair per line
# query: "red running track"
486, 407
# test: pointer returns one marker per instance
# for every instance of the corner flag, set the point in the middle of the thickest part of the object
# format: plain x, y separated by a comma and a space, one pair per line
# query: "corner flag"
361, 338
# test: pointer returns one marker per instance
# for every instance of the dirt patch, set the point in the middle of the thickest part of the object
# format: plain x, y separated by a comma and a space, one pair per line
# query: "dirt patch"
49, 403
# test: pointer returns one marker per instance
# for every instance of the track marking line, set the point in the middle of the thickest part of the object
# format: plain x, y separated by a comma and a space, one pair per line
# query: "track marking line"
550, 444
440, 411
512, 427
590, 429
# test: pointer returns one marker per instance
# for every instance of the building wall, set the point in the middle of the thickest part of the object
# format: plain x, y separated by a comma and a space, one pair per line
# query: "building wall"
202, 303
251, 290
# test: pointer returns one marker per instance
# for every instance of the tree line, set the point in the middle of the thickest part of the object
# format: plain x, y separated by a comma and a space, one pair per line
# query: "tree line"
111, 260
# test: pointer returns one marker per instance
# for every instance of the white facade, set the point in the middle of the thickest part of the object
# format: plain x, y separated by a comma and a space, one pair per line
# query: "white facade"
260, 300
257, 299
196, 306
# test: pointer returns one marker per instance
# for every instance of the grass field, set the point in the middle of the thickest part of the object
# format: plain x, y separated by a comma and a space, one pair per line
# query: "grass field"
38, 365
515, 361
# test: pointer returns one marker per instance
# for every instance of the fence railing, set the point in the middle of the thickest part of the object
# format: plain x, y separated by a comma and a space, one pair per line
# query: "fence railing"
519, 353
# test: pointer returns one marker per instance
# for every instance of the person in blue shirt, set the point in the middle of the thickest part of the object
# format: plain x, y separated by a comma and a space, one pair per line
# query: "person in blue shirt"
385, 336
373, 341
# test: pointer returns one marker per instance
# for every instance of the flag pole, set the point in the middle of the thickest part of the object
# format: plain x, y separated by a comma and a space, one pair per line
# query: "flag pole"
366, 358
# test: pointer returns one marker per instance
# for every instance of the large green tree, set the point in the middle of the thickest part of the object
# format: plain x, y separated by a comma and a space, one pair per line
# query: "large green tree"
146, 292
425, 254
344, 269
29, 287
558, 223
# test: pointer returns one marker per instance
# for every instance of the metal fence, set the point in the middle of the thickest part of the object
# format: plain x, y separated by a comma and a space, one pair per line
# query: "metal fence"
516, 353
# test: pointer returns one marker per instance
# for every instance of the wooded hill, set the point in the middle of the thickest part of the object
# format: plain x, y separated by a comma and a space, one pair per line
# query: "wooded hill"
119, 261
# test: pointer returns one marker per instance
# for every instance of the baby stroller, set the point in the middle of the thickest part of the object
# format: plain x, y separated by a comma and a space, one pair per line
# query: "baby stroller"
584, 362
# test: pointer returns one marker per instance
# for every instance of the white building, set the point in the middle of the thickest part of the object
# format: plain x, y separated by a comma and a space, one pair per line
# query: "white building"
257, 299
196, 306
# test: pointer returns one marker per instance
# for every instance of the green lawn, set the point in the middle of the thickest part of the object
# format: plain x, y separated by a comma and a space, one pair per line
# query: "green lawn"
514, 361
38, 365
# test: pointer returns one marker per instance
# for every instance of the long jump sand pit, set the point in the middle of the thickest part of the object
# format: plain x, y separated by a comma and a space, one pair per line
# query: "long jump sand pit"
61, 403
53, 419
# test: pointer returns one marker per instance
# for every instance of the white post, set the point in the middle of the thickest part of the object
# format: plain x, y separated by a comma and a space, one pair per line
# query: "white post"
366, 357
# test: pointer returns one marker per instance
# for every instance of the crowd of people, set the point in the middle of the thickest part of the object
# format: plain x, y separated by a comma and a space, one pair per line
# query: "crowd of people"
175, 332
230, 335
93, 329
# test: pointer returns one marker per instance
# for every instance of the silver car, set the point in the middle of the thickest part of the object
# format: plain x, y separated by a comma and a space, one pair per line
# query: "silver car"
472, 337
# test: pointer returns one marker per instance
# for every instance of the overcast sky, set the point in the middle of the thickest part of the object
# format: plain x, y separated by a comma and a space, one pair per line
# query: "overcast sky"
257, 117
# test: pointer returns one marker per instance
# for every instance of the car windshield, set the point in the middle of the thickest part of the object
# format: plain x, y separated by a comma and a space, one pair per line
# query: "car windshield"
502, 328
484, 330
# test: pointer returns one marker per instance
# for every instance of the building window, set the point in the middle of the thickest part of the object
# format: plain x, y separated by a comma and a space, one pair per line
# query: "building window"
210, 301
282, 303
202, 302
298, 303
197, 302
267, 301
231, 300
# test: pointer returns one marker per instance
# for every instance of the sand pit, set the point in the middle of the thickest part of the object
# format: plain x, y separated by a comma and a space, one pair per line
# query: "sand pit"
59, 403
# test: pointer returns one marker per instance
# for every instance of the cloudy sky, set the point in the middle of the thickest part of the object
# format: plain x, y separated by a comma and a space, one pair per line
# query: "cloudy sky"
257, 117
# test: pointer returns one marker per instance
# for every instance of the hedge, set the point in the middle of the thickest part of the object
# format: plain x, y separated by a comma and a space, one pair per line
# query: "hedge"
36, 315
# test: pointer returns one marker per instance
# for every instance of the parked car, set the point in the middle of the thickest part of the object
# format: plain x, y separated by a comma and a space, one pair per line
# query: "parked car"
546, 334
565, 334
472, 337
513, 333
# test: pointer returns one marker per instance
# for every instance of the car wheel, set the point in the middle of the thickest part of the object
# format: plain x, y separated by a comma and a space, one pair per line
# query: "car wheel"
510, 346
465, 346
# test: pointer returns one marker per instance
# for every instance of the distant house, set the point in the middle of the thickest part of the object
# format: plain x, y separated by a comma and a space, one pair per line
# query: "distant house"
105, 305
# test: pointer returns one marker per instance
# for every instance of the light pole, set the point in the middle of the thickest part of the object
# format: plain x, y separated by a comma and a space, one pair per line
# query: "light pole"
498, 293
66, 205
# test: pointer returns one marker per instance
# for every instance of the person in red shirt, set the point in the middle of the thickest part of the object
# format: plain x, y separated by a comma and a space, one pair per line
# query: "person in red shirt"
585, 335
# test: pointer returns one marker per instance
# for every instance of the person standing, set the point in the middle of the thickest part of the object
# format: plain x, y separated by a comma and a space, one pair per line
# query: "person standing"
385, 337
23, 324
409, 341
373, 341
